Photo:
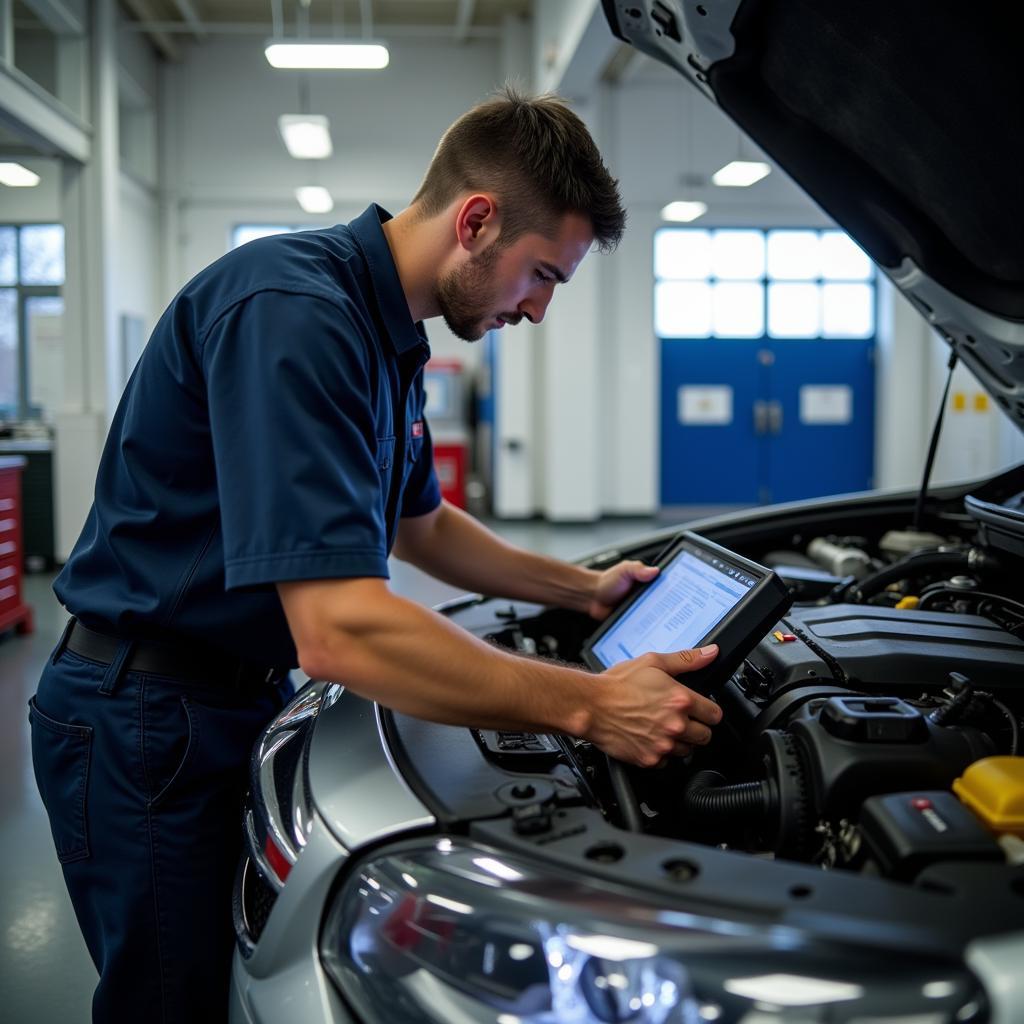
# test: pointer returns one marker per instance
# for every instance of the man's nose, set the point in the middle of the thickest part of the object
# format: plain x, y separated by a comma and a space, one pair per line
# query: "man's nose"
534, 307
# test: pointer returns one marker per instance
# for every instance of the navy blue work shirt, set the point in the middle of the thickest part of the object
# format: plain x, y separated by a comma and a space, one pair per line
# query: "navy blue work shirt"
273, 430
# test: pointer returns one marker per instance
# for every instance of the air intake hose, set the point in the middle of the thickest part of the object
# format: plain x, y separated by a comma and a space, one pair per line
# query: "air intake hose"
706, 795
922, 563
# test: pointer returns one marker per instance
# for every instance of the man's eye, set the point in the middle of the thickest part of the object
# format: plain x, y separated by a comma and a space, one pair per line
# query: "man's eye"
541, 276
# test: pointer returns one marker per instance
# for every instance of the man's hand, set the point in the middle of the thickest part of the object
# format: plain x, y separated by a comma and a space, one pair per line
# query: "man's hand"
642, 715
615, 583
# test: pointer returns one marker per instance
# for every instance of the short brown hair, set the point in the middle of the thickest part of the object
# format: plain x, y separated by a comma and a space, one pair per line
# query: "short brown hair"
537, 156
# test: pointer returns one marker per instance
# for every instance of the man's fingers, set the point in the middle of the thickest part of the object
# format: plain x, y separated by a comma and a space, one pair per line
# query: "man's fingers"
642, 572
696, 733
703, 710
677, 662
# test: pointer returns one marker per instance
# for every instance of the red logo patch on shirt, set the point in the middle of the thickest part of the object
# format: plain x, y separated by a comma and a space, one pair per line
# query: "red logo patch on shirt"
417, 428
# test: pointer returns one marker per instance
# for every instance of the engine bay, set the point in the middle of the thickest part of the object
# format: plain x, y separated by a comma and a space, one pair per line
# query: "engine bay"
875, 729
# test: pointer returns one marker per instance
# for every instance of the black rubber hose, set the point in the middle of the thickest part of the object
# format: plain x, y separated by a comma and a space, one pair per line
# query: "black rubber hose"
912, 565
632, 819
706, 795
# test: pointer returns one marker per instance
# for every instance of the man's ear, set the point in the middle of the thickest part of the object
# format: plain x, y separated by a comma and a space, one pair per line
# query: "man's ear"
477, 222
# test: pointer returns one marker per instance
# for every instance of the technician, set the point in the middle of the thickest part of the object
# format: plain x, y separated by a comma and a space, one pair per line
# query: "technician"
268, 453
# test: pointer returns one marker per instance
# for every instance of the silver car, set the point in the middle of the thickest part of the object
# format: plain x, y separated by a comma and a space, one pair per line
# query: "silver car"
849, 847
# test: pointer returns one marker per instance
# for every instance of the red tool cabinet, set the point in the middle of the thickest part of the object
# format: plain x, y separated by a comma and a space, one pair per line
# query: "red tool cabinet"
14, 613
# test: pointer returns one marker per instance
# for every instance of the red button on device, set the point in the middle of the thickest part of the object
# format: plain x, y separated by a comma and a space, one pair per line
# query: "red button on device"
921, 803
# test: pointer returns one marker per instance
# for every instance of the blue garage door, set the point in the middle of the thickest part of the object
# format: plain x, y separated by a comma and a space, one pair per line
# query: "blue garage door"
767, 364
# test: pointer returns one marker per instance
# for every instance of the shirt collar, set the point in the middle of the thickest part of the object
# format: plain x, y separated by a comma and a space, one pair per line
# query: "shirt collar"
367, 230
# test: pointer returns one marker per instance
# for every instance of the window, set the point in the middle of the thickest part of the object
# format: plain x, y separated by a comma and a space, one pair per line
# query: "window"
745, 283
243, 233
31, 316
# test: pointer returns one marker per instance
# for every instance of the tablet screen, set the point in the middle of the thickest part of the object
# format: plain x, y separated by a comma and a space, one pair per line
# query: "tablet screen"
691, 595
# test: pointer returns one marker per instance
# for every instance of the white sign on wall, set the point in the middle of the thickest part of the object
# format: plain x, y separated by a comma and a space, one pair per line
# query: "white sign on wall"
706, 406
821, 404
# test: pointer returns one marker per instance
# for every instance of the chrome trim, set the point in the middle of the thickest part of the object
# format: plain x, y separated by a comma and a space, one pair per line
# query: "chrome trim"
257, 856
268, 791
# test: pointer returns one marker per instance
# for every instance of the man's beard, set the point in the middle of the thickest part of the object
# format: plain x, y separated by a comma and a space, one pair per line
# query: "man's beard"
467, 294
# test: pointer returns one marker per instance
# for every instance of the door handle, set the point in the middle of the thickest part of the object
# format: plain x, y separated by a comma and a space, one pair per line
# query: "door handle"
761, 417
774, 417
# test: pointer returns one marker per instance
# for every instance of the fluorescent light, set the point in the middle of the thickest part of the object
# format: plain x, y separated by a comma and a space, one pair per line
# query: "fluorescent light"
306, 136
683, 212
17, 176
314, 199
740, 173
310, 54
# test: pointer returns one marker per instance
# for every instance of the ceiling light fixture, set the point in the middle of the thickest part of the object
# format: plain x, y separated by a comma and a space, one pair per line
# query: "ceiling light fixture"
314, 199
740, 173
681, 212
16, 176
306, 136
309, 54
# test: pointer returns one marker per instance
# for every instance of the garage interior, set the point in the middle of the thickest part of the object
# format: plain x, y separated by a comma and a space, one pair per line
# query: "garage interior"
152, 129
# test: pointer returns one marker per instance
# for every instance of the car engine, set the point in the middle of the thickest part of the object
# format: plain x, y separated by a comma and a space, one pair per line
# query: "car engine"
870, 731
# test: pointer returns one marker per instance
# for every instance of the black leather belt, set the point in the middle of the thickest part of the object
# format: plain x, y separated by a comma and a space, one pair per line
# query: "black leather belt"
209, 668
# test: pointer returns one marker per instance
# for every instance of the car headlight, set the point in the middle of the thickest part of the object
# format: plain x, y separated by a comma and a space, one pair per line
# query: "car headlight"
444, 931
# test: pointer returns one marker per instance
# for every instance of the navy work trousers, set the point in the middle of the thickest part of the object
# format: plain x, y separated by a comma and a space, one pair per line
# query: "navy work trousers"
143, 786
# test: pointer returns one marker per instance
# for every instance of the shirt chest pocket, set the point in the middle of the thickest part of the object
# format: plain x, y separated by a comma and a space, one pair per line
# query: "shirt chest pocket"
385, 453
414, 449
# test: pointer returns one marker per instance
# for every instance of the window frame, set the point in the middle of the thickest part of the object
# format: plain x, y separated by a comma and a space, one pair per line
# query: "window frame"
22, 410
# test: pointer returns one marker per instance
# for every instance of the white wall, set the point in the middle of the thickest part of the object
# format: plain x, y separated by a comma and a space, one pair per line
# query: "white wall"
978, 439
40, 204
137, 260
226, 164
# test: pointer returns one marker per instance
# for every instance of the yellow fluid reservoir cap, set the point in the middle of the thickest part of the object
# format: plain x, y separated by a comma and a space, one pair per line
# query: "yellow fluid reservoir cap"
910, 601
993, 788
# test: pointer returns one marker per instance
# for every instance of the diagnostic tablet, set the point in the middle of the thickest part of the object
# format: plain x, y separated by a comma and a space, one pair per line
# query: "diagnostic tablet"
704, 594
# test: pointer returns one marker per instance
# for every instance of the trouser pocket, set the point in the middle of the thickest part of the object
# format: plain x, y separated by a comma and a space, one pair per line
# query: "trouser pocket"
60, 757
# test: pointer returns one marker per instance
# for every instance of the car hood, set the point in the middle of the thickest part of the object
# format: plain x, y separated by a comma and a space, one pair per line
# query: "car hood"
893, 118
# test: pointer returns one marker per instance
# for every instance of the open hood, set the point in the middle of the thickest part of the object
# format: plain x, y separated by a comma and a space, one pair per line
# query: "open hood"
898, 120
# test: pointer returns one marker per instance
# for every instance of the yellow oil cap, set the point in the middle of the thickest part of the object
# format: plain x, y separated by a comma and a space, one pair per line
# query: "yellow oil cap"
993, 788
910, 601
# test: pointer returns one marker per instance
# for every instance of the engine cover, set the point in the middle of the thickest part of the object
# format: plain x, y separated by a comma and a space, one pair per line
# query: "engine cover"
856, 747
868, 647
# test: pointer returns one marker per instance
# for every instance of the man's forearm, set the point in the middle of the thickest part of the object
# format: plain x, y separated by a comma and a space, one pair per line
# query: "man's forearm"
461, 551
413, 660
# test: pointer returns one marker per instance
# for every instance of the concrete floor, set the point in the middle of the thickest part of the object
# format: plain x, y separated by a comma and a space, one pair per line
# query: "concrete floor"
45, 972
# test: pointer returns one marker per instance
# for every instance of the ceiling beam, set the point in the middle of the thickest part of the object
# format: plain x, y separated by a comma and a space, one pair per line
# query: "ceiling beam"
256, 28
159, 37
33, 116
366, 16
61, 17
191, 18
463, 19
